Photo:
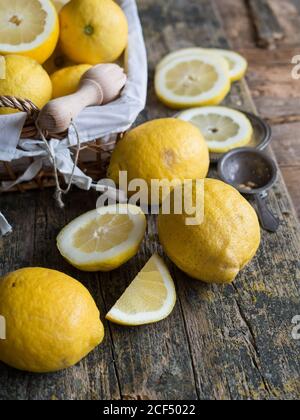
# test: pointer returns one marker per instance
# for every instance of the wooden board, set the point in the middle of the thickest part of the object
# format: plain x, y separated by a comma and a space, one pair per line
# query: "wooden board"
230, 342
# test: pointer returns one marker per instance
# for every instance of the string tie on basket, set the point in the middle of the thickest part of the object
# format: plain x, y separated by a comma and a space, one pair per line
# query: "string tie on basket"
59, 191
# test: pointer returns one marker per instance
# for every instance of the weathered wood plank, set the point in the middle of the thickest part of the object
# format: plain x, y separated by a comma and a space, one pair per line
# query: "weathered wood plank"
286, 143
288, 15
291, 176
286, 147
154, 361
237, 23
266, 23
240, 335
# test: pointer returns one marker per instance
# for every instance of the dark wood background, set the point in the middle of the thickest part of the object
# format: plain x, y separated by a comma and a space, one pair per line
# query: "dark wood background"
230, 342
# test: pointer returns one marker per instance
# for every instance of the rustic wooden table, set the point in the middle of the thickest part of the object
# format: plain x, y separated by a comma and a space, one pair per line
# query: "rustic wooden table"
230, 342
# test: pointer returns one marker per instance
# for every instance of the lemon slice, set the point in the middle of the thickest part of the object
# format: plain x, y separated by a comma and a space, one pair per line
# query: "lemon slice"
193, 80
151, 296
28, 28
237, 65
103, 239
223, 128
2, 67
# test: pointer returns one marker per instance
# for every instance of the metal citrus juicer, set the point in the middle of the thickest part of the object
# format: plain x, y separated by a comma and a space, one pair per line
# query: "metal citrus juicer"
252, 172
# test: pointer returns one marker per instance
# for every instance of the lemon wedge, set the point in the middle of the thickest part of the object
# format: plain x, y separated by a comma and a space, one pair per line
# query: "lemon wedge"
2, 67
103, 239
193, 80
237, 65
59, 4
29, 28
223, 128
151, 296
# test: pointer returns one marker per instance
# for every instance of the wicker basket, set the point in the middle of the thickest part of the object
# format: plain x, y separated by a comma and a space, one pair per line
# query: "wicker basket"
95, 166
96, 144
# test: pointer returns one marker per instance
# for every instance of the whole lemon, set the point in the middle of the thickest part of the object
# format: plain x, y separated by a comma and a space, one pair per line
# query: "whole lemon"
25, 78
66, 81
218, 248
161, 149
51, 319
93, 31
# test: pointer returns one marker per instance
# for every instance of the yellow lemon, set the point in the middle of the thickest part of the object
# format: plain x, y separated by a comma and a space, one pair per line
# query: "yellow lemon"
215, 250
103, 239
150, 297
93, 31
163, 149
25, 79
66, 81
51, 320
28, 28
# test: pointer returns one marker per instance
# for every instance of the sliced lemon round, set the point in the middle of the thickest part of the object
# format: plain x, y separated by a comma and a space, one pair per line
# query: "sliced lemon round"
237, 65
223, 128
151, 296
103, 239
29, 28
193, 80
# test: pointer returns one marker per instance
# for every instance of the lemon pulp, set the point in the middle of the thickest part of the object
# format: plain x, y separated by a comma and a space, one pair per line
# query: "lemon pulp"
103, 239
147, 292
223, 128
29, 28
103, 233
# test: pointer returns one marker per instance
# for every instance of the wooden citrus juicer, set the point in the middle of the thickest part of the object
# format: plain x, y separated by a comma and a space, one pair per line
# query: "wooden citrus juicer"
98, 86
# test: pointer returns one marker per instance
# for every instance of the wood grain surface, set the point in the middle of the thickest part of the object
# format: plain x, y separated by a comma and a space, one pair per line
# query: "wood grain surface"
228, 342
276, 94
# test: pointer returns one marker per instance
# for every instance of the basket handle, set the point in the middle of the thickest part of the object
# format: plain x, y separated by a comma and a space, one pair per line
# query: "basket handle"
23, 105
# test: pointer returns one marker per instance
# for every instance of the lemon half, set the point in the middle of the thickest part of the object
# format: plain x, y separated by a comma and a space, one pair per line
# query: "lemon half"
237, 65
193, 80
223, 128
103, 239
151, 296
28, 28
93, 31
